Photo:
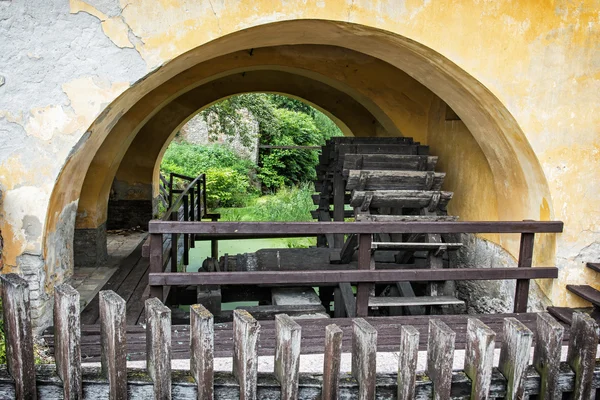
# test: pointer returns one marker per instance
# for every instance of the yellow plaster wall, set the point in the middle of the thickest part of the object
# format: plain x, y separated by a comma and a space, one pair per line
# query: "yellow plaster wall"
523, 76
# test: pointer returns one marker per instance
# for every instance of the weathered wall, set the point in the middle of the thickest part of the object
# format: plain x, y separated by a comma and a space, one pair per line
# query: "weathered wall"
523, 76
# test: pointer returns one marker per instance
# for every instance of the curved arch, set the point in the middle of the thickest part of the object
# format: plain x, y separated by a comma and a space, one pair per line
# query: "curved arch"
506, 149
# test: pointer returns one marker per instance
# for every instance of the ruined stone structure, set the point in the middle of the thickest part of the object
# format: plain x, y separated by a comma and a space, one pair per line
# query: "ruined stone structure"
91, 92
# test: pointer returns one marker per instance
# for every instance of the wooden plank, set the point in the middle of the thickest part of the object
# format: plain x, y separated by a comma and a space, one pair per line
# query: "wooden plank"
514, 357
388, 161
364, 352
405, 218
586, 292
414, 301
407, 362
366, 263
418, 246
67, 336
593, 266
546, 356
246, 330
479, 357
270, 311
332, 362
405, 289
351, 276
394, 180
440, 353
348, 249
348, 299
158, 347
525, 261
401, 198
581, 355
113, 333
287, 355
156, 262
288, 229
202, 350
18, 335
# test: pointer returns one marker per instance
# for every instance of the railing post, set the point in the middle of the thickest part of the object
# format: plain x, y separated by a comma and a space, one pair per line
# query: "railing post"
158, 347
214, 243
18, 335
479, 357
67, 339
204, 202
525, 261
199, 209
287, 355
202, 350
364, 262
186, 237
174, 243
113, 334
546, 356
407, 362
440, 355
156, 262
364, 357
514, 357
332, 361
170, 190
583, 343
245, 353
192, 215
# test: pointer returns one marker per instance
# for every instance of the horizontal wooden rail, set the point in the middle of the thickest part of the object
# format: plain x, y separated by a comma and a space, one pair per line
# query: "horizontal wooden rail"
354, 276
290, 229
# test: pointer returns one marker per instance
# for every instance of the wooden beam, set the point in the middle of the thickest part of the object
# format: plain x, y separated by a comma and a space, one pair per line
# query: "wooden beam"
291, 229
354, 276
525, 261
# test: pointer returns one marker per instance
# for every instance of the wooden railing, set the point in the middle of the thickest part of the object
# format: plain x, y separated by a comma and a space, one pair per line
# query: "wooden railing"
513, 378
364, 276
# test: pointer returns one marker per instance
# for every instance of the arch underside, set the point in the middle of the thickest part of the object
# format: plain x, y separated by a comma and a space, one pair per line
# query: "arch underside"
374, 83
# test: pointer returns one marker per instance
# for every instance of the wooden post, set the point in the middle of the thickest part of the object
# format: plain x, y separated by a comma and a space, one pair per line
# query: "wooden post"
214, 244
186, 237
287, 355
525, 261
514, 357
479, 357
67, 338
156, 262
200, 209
332, 362
440, 354
546, 356
18, 335
113, 334
245, 353
583, 343
407, 362
202, 350
174, 243
364, 356
170, 191
364, 262
192, 215
338, 206
204, 202
158, 347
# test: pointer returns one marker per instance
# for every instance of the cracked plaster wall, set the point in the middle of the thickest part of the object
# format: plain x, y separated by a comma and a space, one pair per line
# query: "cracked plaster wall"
62, 63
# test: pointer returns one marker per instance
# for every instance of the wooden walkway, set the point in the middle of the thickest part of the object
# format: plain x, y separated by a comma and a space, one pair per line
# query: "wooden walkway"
130, 281
313, 335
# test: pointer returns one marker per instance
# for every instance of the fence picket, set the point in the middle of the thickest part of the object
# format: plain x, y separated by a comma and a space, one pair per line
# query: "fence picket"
113, 333
440, 355
202, 350
364, 356
67, 337
158, 347
245, 353
479, 357
287, 355
581, 357
332, 362
407, 362
546, 356
18, 335
514, 357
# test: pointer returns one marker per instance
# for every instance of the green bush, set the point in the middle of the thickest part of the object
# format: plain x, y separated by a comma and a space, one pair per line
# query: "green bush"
226, 187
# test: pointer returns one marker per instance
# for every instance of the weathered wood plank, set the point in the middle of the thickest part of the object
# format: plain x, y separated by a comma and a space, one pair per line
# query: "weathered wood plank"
202, 350
338, 276
245, 353
364, 352
365, 262
158, 347
581, 355
414, 301
238, 230
67, 336
388, 161
406, 218
479, 357
332, 362
546, 356
415, 246
394, 180
18, 335
586, 292
113, 332
407, 362
525, 261
348, 249
287, 355
440, 353
401, 198
514, 357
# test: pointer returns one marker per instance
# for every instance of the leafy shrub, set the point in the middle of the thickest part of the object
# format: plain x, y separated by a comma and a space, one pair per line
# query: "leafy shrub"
225, 187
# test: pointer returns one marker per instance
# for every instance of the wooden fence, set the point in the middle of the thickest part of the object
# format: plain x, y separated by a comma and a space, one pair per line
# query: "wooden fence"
547, 377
